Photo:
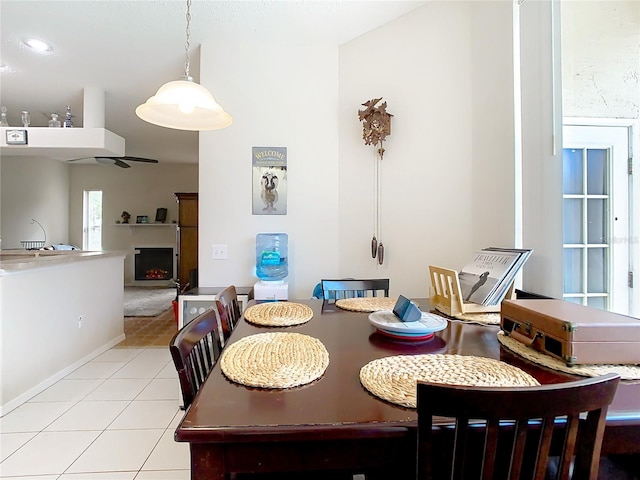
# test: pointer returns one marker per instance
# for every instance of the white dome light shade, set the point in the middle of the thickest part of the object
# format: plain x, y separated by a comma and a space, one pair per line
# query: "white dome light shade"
184, 105
39, 46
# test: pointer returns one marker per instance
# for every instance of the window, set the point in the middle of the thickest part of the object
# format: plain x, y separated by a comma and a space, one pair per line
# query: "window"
92, 220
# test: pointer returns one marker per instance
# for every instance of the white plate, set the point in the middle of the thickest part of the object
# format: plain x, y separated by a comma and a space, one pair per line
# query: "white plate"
428, 323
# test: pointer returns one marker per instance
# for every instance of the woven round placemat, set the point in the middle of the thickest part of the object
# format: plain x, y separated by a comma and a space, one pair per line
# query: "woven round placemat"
626, 372
278, 314
275, 360
366, 304
491, 318
394, 378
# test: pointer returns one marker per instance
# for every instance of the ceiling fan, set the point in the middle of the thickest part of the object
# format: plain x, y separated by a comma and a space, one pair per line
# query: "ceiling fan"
119, 161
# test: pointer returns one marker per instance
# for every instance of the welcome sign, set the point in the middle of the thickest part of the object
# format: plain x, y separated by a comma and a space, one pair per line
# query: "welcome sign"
269, 180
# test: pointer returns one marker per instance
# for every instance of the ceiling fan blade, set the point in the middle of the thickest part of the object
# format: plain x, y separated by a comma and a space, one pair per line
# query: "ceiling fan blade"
118, 161
78, 159
112, 161
139, 159
121, 164
105, 160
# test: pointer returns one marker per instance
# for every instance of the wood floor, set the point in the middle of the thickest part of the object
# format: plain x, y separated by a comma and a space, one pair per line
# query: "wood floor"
149, 331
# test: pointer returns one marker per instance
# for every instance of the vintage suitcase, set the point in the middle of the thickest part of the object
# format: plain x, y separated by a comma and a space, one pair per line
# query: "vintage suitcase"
572, 333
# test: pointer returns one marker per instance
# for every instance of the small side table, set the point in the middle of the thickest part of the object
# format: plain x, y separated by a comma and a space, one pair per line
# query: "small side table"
198, 300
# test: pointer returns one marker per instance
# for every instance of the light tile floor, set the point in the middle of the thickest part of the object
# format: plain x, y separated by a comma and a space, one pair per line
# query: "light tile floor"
111, 419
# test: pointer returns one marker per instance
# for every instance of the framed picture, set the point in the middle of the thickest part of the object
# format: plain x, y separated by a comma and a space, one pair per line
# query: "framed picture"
161, 215
142, 219
16, 137
269, 181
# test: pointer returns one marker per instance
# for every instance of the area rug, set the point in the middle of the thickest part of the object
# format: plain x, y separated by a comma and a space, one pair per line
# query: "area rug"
147, 301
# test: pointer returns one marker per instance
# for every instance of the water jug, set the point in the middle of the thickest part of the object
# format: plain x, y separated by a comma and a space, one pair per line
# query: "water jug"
271, 256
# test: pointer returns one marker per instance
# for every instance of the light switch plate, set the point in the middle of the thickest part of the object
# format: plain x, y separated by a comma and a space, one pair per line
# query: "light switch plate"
219, 251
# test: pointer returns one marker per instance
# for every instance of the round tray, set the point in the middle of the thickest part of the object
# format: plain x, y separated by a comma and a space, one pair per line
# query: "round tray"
410, 337
387, 321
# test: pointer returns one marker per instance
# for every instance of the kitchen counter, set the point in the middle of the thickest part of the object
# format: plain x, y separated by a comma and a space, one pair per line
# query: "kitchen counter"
66, 306
14, 261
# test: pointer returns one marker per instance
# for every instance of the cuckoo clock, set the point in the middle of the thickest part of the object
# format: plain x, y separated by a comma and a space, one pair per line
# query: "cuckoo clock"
376, 125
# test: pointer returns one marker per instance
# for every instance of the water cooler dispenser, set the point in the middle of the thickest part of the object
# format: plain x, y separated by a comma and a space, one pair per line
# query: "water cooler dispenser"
272, 267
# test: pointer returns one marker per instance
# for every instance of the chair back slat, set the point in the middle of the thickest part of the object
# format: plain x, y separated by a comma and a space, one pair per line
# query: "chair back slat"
543, 448
518, 446
195, 349
510, 433
570, 436
490, 448
459, 448
229, 299
225, 321
586, 464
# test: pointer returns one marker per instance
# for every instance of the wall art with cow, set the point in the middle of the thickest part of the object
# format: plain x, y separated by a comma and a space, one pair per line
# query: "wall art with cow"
269, 180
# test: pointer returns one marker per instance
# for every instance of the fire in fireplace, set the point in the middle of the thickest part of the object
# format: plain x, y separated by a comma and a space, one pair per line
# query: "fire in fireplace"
154, 263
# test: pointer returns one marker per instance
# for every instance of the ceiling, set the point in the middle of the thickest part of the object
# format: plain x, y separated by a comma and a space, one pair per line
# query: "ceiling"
130, 48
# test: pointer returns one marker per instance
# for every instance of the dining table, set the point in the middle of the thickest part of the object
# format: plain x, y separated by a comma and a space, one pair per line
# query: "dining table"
335, 424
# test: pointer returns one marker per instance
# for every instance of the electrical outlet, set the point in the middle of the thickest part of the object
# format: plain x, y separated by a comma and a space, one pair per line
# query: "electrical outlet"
219, 251
80, 318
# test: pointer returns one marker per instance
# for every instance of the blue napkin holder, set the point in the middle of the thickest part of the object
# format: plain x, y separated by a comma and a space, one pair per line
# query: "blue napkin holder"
406, 310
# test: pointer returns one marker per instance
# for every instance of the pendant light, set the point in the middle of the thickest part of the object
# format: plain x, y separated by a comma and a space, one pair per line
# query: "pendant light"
184, 104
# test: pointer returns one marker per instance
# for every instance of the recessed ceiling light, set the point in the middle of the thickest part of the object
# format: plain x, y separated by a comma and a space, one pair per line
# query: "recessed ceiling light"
37, 45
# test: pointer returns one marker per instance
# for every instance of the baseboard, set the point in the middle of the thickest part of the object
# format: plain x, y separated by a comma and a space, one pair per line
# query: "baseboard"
42, 386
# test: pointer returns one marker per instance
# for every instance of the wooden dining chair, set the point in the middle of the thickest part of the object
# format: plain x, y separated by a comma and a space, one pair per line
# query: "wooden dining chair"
333, 290
195, 349
226, 324
507, 432
229, 299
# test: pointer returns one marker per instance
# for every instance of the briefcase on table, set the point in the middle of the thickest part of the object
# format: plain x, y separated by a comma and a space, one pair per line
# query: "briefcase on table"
572, 333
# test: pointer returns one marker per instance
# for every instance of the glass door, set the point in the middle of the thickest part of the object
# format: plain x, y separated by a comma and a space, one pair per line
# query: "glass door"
596, 220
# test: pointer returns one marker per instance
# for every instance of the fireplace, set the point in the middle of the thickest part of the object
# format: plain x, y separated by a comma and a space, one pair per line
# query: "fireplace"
153, 263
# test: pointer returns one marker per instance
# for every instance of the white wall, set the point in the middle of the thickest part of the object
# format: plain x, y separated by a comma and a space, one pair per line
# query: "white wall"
447, 176
139, 190
423, 65
281, 96
41, 341
596, 83
33, 188
541, 146
493, 157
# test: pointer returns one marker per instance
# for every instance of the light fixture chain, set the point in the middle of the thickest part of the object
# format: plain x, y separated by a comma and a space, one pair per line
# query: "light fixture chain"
187, 45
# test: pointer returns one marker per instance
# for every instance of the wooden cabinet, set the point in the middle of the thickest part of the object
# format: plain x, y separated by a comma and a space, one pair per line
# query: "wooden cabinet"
187, 239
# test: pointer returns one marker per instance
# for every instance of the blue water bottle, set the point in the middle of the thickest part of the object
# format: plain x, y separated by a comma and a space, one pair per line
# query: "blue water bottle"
271, 256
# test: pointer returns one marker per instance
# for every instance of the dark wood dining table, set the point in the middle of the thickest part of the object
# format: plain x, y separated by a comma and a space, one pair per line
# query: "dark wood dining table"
333, 423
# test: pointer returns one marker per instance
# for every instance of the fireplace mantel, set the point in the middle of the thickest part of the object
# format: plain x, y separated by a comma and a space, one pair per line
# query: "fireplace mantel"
174, 225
